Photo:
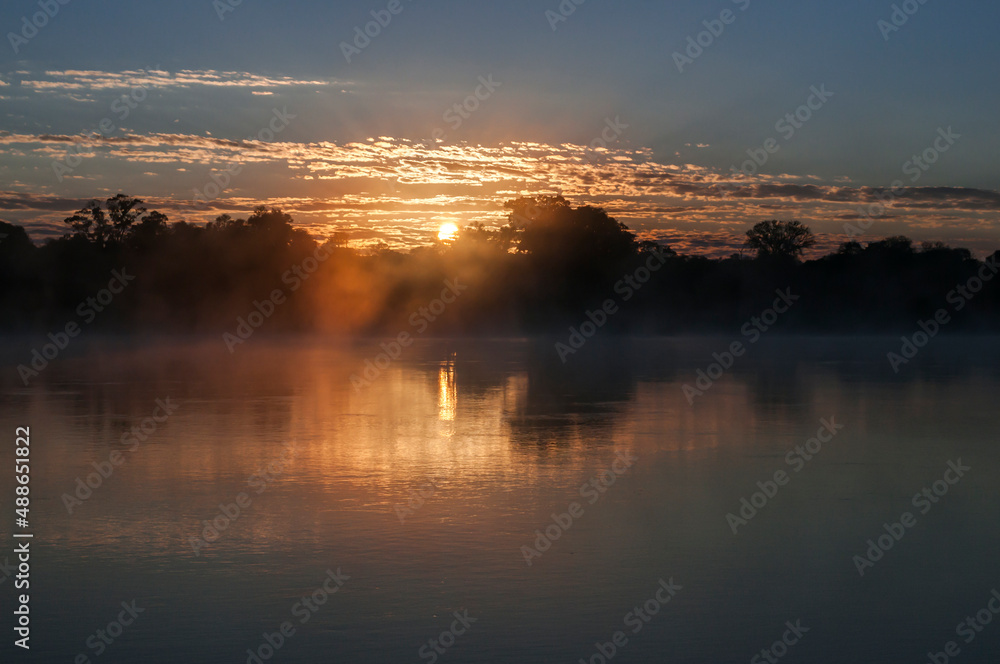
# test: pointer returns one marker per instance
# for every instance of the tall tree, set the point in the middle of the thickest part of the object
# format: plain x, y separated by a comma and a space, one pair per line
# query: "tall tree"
547, 227
107, 229
780, 238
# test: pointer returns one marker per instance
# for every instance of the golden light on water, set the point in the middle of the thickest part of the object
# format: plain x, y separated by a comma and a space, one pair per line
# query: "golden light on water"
447, 231
447, 391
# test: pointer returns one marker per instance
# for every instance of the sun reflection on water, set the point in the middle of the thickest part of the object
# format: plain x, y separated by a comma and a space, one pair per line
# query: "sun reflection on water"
447, 391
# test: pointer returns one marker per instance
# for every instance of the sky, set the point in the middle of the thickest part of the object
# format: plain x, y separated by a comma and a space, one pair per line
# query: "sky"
202, 108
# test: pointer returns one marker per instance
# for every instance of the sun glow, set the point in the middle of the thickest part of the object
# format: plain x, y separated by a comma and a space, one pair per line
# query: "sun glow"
447, 231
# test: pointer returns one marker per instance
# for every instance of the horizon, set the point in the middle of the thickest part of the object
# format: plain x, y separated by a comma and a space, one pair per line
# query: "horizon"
418, 128
448, 232
487, 332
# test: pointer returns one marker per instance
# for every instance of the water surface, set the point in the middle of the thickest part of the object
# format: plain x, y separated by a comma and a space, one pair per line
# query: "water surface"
507, 435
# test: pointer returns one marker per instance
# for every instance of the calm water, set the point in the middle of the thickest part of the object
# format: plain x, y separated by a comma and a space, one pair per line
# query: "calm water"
508, 435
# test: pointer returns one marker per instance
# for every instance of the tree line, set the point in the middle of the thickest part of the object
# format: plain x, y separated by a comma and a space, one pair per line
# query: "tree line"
542, 270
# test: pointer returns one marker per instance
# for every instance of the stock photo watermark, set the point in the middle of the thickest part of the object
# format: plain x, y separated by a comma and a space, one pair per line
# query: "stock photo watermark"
796, 459
420, 319
958, 298
924, 500
30, 27
363, 36
611, 133
753, 331
592, 490
456, 116
697, 44
221, 181
787, 126
418, 496
223, 7
968, 629
87, 310
23, 582
139, 434
780, 648
635, 619
293, 277
122, 107
562, 12
303, 609
899, 17
438, 646
915, 167
102, 639
229, 513
626, 287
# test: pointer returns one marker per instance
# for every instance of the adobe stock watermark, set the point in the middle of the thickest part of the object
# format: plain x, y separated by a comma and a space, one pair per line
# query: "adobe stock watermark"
779, 648
959, 297
635, 619
139, 434
797, 459
626, 287
223, 7
968, 629
221, 181
915, 167
610, 134
418, 496
592, 490
899, 17
565, 9
420, 319
786, 126
924, 500
229, 513
87, 310
102, 639
438, 646
29, 28
752, 330
121, 107
460, 112
363, 36
293, 277
303, 609
696, 45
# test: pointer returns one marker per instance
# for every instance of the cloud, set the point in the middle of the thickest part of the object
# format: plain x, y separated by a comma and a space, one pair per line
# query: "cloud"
90, 80
399, 190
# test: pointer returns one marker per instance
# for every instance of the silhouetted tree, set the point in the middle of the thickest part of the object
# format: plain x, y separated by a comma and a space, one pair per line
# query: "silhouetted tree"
899, 245
547, 227
145, 235
14, 240
851, 248
111, 228
225, 223
527, 209
539, 273
277, 228
780, 238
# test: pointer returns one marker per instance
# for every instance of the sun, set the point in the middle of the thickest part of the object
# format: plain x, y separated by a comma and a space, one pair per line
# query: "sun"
447, 231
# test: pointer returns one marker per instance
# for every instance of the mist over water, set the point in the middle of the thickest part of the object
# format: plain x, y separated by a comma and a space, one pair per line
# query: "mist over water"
334, 332
424, 486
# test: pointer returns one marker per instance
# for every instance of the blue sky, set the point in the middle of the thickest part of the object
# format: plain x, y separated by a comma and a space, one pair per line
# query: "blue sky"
556, 89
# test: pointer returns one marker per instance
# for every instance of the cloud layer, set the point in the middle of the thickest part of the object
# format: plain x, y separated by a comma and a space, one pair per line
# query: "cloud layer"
400, 190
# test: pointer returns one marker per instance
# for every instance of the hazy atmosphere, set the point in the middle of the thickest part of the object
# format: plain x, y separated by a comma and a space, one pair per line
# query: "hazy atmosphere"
472, 333
454, 107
